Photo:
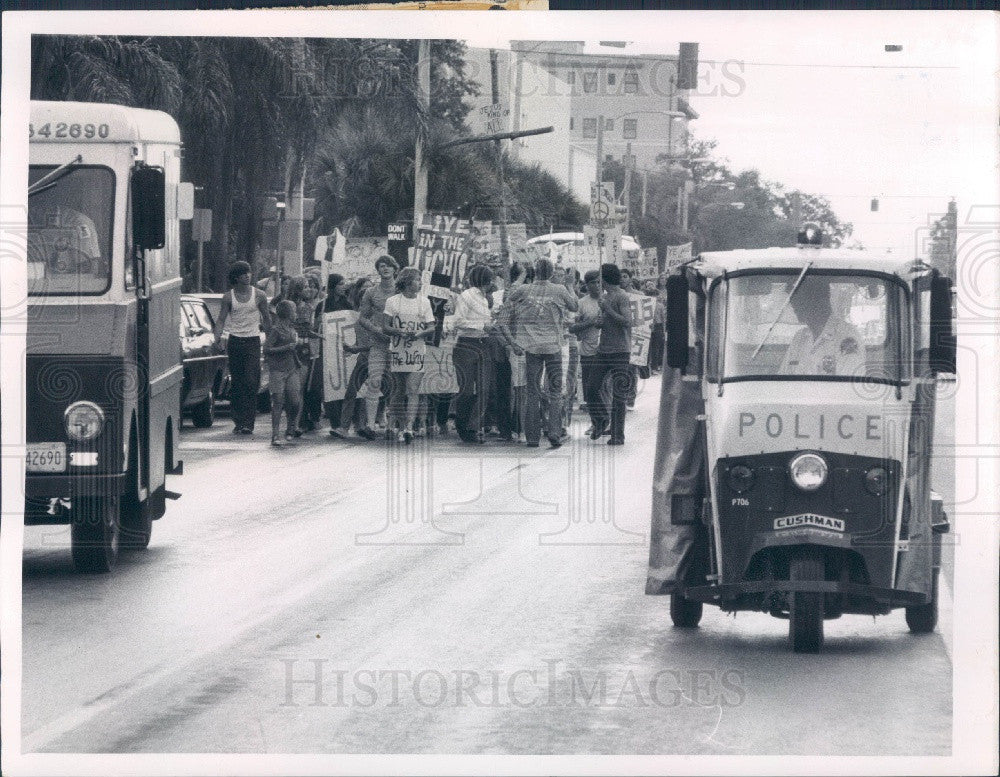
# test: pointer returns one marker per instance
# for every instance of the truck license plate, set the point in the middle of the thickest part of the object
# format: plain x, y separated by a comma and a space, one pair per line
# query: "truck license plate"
45, 457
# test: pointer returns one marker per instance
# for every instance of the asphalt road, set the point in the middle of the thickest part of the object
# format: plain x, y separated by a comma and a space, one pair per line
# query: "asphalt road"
515, 622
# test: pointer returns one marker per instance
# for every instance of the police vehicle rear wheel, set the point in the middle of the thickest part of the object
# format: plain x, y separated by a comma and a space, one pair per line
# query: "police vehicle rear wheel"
805, 617
203, 414
95, 534
684, 612
923, 618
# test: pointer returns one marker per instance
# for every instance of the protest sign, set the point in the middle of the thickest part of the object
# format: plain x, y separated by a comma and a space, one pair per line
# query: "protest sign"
442, 246
579, 257
640, 347
439, 369
484, 241
642, 309
406, 352
608, 240
352, 257
676, 256
338, 330
494, 118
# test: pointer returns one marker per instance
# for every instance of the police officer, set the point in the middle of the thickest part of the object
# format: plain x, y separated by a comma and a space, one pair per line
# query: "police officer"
826, 345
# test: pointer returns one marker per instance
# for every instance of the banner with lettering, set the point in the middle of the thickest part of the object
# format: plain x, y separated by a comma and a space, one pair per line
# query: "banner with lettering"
338, 331
442, 246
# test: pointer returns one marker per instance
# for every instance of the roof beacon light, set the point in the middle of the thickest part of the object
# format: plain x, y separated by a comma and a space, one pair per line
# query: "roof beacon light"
810, 235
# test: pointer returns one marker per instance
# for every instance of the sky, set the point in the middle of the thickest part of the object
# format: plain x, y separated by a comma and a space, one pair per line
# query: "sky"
813, 101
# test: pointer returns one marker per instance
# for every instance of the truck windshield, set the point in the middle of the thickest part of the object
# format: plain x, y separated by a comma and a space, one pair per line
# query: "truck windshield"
69, 230
834, 326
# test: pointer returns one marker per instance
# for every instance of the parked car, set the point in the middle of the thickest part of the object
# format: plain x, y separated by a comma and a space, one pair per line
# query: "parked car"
214, 303
204, 366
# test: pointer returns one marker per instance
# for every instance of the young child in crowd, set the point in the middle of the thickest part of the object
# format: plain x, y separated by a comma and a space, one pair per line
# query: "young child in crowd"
285, 378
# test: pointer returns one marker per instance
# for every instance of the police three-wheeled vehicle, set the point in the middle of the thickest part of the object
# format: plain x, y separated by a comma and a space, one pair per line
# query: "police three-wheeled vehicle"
793, 471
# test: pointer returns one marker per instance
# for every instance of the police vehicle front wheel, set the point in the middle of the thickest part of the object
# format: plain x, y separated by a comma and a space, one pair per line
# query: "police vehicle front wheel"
94, 534
684, 612
805, 616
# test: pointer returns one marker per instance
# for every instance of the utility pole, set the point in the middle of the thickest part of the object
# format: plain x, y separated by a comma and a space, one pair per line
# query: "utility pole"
419, 165
495, 99
627, 189
796, 202
517, 98
600, 149
645, 185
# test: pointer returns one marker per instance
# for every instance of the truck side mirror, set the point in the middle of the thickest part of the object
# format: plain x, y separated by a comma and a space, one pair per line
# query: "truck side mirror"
149, 213
677, 322
942, 355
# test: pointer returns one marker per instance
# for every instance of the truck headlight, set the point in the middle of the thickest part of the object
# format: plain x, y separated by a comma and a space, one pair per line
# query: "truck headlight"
808, 471
83, 421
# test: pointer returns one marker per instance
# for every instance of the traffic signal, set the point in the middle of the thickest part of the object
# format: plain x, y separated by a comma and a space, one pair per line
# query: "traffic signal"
874, 204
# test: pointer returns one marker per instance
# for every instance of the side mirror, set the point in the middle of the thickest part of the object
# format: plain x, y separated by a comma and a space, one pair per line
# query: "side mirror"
942, 355
677, 322
149, 221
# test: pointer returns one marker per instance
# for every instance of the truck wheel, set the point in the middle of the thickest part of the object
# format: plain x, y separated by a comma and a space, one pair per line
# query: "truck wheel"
136, 523
203, 414
95, 534
684, 612
805, 617
923, 618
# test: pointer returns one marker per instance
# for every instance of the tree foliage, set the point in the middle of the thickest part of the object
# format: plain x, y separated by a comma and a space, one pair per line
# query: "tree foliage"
726, 209
363, 178
260, 115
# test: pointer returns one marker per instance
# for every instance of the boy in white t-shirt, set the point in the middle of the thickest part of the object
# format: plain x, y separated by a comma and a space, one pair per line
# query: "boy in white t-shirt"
409, 322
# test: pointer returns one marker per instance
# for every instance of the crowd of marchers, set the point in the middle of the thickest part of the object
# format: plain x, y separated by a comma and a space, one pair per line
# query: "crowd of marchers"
526, 346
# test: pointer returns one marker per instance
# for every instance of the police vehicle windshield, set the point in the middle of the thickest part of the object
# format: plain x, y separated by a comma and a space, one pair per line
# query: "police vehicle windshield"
831, 326
69, 230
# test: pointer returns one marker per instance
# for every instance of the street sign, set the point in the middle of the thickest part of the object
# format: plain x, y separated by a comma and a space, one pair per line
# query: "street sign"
201, 225
494, 117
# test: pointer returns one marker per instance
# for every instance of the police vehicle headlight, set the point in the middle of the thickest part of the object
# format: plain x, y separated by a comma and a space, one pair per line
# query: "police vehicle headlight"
740, 478
83, 421
808, 471
876, 481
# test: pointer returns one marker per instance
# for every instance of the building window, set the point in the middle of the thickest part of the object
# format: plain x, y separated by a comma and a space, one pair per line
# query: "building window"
590, 128
590, 82
630, 83
609, 124
630, 128
611, 79
570, 76
571, 123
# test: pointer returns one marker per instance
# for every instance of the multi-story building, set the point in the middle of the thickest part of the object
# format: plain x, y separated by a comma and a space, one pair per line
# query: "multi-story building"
637, 98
